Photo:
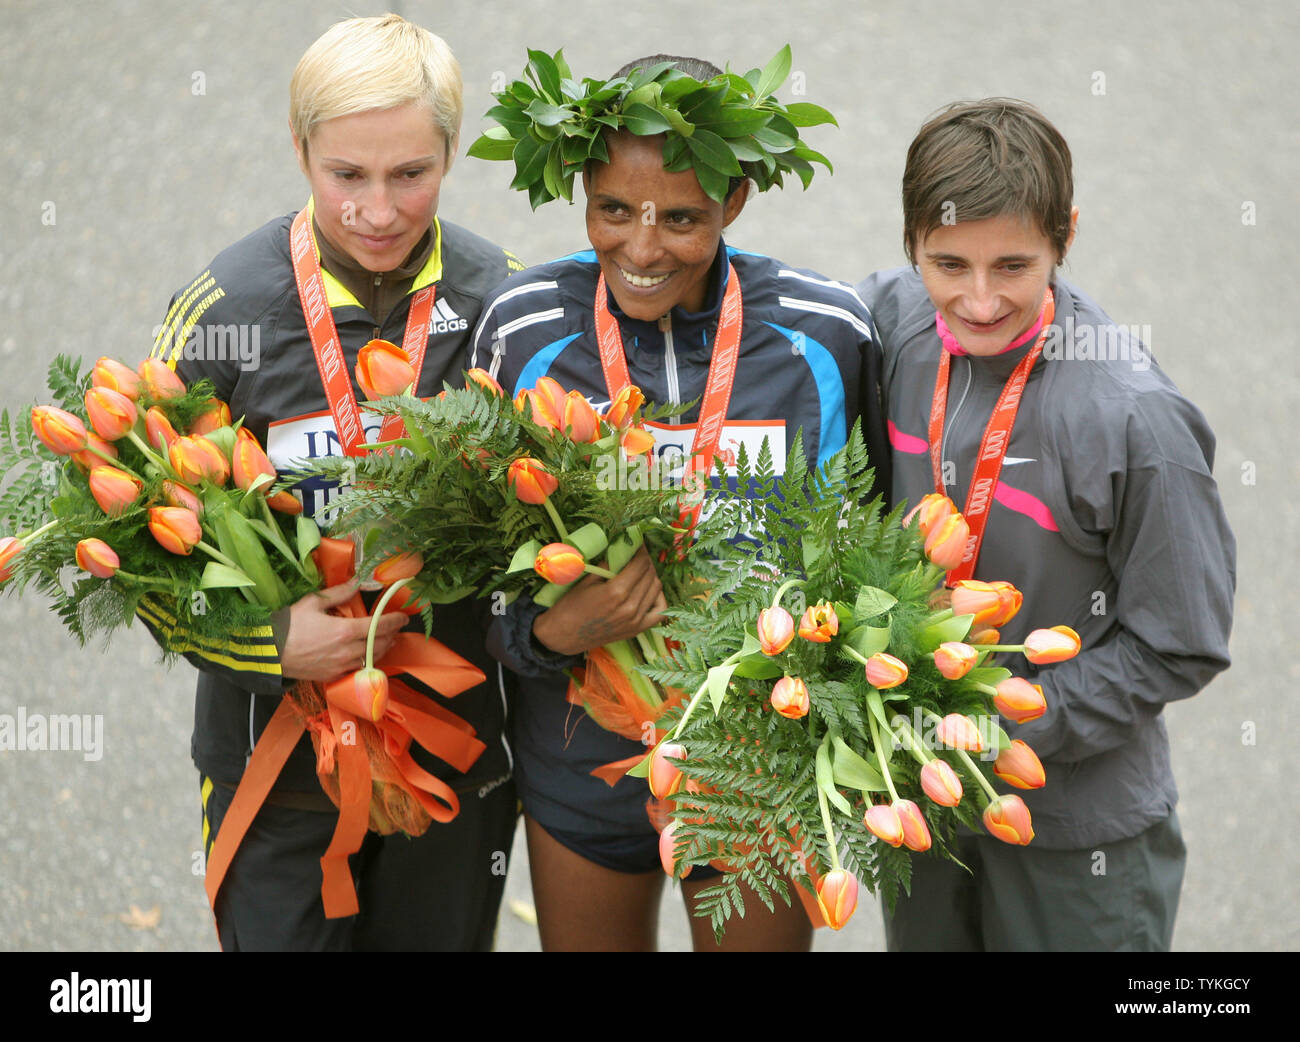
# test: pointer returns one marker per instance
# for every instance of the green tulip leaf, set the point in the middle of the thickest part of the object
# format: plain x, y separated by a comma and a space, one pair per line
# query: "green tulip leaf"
525, 557
826, 777
217, 576
758, 667
955, 628
872, 601
854, 772
719, 677
589, 540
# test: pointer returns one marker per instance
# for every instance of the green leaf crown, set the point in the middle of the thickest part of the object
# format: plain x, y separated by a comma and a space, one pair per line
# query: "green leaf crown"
726, 127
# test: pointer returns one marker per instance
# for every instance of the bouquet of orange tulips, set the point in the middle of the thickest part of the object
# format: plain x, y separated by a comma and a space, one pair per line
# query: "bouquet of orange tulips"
159, 500
842, 717
494, 497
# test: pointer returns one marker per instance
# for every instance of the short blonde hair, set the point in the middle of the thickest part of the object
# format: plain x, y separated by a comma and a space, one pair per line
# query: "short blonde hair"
364, 64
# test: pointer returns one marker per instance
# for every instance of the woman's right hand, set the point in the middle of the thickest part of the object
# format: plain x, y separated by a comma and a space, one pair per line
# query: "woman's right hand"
599, 611
323, 647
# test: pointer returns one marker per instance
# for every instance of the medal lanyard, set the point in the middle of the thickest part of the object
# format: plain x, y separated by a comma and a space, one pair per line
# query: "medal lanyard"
334, 374
993, 445
717, 388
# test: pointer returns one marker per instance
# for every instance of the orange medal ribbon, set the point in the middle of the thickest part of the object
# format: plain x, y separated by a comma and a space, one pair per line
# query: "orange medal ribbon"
993, 445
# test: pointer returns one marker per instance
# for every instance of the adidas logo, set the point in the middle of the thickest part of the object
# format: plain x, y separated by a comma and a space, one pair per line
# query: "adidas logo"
445, 320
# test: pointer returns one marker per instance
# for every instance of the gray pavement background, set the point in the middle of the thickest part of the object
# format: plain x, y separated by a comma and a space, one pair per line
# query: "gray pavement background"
157, 132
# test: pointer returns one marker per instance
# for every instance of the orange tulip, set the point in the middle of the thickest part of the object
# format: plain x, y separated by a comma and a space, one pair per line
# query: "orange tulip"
114, 490
665, 776
1019, 700
484, 380
930, 511
1020, 766
97, 557
637, 441
559, 563
285, 502
59, 431
667, 858
399, 566
790, 698
87, 460
178, 495
819, 624
538, 408
885, 671
10, 547
1009, 601
941, 783
623, 409
383, 369
837, 897
916, 833
775, 630
111, 413
370, 689
196, 459
985, 636
249, 463
882, 819
959, 732
579, 419
159, 430
946, 543
175, 528
532, 482
552, 394
117, 377
158, 381
955, 659
981, 599
1054, 645
215, 415
1007, 818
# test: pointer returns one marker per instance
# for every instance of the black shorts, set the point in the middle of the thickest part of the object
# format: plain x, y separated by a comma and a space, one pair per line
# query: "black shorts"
638, 852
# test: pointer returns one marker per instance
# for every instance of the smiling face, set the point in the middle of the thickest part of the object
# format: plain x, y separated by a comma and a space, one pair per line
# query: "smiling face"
375, 178
987, 278
655, 233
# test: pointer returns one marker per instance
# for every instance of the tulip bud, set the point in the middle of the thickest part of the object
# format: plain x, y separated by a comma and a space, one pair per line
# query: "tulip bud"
532, 482
941, 783
285, 502
178, 495
215, 415
59, 431
882, 819
916, 833
790, 698
637, 441
483, 379
985, 636
946, 543
538, 408
559, 563
667, 858
1019, 700
819, 623
550, 391
579, 419
837, 897
383, 369
176, 529
112, 414
162, 435
974, 597
197, 459
114, 490
1019, 766
930, 511
10, 547
623, 409
114, 375
1009, 601
370, 689
955, 659
775, 630
665, 776
158, 381
1007, 818
399, 566
885, 671
1054, 645
249, 463
86, 460
959, 732
98, 558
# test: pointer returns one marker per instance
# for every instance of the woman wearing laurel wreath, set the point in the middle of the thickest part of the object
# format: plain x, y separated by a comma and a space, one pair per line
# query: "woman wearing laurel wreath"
668, 150
375, 115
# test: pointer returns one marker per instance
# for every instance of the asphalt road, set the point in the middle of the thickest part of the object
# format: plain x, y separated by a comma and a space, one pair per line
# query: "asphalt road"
140, 138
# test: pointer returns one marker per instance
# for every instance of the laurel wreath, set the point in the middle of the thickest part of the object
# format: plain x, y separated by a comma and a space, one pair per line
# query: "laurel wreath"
730, 126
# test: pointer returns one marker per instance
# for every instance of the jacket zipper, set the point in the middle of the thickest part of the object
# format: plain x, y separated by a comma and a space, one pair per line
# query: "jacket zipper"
379, 278
948, 424
670, 364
